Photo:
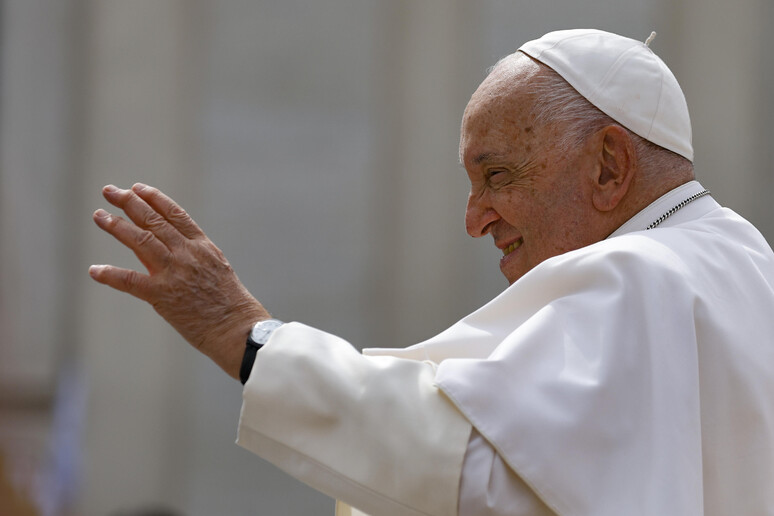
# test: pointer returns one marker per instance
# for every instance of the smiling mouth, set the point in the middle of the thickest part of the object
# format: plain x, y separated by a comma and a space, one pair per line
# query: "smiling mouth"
511, 248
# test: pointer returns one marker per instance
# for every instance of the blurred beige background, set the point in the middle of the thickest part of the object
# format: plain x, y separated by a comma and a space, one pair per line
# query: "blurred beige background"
316, 142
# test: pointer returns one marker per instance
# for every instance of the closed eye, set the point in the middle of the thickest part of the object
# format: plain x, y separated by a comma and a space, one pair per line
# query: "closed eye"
497, 177
496, 172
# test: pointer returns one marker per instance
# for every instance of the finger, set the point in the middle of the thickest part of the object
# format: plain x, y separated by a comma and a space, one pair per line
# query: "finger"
153, 254
169, 209
142, 214
125, 280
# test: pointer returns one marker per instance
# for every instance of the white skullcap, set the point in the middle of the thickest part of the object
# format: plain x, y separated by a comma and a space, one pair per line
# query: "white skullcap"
624, 79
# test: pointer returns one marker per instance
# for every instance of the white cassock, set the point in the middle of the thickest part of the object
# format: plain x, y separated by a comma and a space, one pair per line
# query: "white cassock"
634, 376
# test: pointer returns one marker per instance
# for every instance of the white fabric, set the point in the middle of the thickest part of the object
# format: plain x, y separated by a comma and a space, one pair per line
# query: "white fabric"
634, 376
372, 431
489, 487
624, 79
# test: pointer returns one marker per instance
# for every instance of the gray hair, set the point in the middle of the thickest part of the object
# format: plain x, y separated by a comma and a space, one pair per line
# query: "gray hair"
557, 102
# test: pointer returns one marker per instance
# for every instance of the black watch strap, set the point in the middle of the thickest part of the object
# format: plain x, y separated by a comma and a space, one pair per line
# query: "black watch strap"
247, 361
258, 336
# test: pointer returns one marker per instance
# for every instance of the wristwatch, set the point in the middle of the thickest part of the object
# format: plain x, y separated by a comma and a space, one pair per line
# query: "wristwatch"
257, 337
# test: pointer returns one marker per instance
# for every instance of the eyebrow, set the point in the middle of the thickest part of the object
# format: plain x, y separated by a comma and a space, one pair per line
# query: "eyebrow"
488, 156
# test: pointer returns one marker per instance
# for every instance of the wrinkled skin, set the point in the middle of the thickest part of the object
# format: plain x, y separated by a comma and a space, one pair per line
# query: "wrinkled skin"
189, 281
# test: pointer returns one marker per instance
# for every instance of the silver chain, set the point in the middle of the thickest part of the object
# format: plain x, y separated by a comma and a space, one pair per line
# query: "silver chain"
677, 208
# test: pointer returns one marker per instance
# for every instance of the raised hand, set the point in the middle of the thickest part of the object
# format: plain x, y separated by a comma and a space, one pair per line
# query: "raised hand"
189, 281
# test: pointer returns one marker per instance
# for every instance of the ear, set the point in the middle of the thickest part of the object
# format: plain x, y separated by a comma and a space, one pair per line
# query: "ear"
616, 166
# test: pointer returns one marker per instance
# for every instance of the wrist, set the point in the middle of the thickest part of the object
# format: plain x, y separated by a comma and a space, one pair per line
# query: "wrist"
227, 347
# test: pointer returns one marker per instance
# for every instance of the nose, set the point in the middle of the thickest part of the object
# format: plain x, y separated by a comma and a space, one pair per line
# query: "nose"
479, 215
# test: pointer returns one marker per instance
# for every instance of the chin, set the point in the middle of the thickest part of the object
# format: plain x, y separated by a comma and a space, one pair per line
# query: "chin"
512, 277
514, 274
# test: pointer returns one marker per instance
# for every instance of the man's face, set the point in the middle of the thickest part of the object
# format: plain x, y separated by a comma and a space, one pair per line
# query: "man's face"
525, 191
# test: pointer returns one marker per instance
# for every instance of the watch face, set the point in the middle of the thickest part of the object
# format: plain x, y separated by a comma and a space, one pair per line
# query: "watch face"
262, 330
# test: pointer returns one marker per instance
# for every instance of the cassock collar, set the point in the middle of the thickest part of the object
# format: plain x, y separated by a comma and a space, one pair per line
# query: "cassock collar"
667, 202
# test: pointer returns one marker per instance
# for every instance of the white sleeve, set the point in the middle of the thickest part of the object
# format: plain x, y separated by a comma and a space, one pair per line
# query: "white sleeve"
488, 487
374, 432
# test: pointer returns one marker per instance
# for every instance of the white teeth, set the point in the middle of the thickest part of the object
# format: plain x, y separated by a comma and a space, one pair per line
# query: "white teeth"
511, 248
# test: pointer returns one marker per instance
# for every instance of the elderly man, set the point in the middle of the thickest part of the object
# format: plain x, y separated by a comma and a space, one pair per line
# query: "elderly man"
628, 369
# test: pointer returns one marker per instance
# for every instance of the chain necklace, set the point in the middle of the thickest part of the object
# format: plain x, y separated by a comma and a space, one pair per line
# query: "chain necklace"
672, 211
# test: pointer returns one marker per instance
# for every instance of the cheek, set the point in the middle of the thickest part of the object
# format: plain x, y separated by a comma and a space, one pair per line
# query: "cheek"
513, 206
552, 225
